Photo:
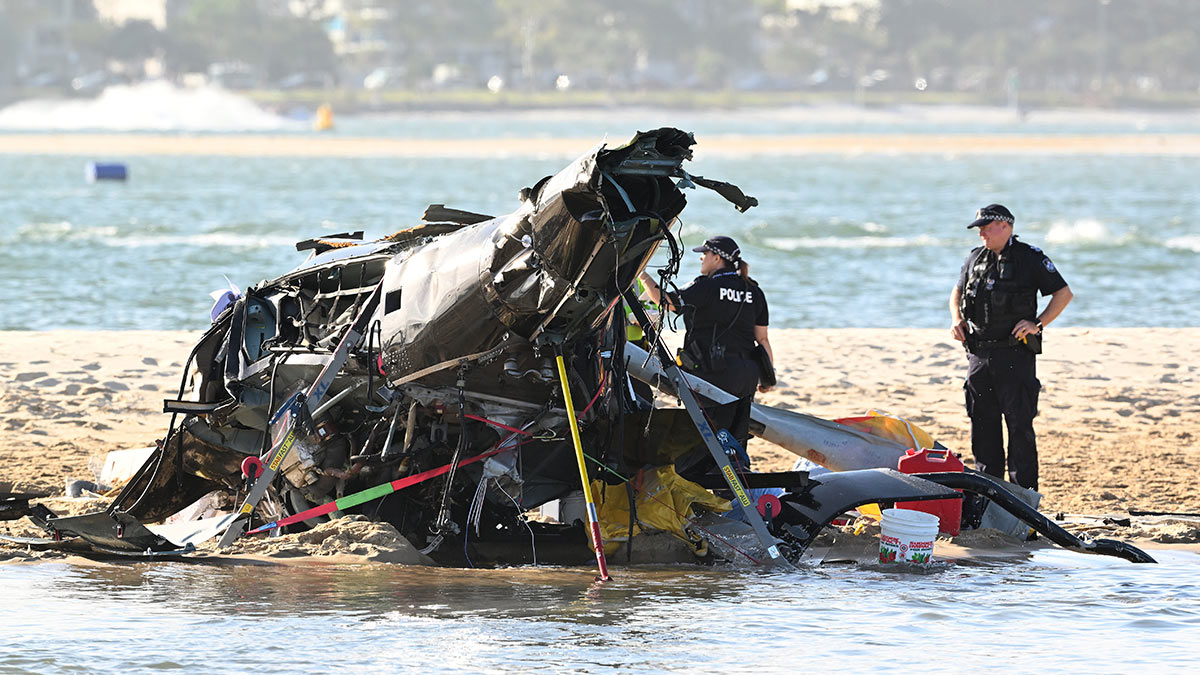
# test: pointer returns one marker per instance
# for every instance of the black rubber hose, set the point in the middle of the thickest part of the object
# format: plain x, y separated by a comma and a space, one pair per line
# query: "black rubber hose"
980, 484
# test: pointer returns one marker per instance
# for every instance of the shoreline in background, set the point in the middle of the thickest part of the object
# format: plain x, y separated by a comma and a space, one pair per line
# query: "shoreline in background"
314, 145
482, 100
486, 101
1119, 427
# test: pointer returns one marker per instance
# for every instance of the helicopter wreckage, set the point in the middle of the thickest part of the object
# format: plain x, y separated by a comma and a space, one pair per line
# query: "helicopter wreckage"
428, 379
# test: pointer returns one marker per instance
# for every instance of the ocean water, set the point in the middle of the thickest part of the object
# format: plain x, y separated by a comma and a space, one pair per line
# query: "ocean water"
1053, 610
837, 241
862, 240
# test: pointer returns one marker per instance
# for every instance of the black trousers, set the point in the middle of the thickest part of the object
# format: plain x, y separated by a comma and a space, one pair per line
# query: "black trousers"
1003, 382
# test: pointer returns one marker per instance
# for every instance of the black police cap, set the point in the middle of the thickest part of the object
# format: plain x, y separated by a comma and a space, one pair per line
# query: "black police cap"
990, 213
724, 247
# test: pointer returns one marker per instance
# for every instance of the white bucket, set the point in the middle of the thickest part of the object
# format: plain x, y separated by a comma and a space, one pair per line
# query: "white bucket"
907, 536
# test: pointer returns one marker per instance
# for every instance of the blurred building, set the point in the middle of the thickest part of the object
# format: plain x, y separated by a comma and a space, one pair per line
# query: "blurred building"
117, 12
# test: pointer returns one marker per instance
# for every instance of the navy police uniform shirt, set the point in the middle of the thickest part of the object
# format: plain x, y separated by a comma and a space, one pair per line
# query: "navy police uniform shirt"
724, 308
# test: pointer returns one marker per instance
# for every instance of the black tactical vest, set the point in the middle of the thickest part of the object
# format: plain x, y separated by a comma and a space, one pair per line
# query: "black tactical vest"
1000, 291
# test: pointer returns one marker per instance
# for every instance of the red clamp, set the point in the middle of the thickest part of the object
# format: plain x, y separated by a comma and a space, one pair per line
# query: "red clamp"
770, 502
252, 465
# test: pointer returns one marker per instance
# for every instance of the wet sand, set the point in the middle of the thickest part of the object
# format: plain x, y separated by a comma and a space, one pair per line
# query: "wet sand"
310, 145
1119, 428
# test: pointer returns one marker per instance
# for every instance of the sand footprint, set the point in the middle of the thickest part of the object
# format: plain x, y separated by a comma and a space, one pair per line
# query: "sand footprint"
91, 366
26, 377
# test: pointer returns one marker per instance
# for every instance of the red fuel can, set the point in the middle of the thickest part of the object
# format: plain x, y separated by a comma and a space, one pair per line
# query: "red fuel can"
925, 460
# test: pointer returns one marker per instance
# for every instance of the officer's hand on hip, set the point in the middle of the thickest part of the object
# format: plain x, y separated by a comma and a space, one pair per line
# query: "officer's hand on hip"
959, 331
1024, 328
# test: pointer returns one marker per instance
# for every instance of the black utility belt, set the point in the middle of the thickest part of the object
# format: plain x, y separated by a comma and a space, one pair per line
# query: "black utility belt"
1032, 342
694, 357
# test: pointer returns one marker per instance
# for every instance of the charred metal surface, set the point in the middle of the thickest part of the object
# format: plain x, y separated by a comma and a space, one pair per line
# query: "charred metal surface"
456, 360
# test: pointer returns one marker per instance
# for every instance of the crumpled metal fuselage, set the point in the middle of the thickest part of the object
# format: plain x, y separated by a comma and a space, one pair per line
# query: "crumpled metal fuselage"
457, 356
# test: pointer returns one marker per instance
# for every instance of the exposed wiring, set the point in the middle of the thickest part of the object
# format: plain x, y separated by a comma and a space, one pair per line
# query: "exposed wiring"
524, 521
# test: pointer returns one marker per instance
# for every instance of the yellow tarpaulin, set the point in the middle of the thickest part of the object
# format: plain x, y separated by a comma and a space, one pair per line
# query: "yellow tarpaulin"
664, 502
891, 427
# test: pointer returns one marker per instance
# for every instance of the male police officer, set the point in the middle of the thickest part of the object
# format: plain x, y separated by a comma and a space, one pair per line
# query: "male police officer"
993, 311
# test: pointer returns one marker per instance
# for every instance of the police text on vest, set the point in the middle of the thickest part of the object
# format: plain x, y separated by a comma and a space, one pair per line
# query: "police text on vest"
736, 296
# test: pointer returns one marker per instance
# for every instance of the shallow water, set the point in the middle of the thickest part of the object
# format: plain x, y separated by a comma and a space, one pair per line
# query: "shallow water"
1058, 610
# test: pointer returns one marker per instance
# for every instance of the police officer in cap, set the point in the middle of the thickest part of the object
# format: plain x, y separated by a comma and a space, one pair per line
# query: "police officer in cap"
726, 315
994, 312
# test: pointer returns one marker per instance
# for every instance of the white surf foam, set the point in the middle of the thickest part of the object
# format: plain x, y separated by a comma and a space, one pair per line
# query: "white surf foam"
148, 106
1083, 231
1190, 243
798, 243
111, 235
209, 239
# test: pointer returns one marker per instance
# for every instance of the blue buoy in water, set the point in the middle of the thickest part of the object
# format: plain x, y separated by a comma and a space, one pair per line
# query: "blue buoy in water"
106, 171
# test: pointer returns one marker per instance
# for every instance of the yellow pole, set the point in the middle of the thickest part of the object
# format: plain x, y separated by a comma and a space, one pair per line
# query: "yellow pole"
593, 520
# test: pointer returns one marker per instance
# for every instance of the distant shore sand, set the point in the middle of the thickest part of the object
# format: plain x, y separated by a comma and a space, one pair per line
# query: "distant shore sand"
321, 145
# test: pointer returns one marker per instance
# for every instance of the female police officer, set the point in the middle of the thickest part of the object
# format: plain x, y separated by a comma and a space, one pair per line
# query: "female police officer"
725, 313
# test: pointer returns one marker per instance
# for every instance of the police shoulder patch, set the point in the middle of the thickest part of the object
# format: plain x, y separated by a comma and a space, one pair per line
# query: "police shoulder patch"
1049, 265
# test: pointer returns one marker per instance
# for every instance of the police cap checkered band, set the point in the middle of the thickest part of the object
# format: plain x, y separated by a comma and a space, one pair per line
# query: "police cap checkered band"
990, 213
726, 248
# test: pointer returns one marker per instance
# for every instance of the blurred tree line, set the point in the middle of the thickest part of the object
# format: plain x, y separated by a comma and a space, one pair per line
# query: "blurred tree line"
1102, 46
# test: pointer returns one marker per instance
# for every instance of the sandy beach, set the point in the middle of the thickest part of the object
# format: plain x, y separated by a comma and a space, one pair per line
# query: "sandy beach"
1119, 428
